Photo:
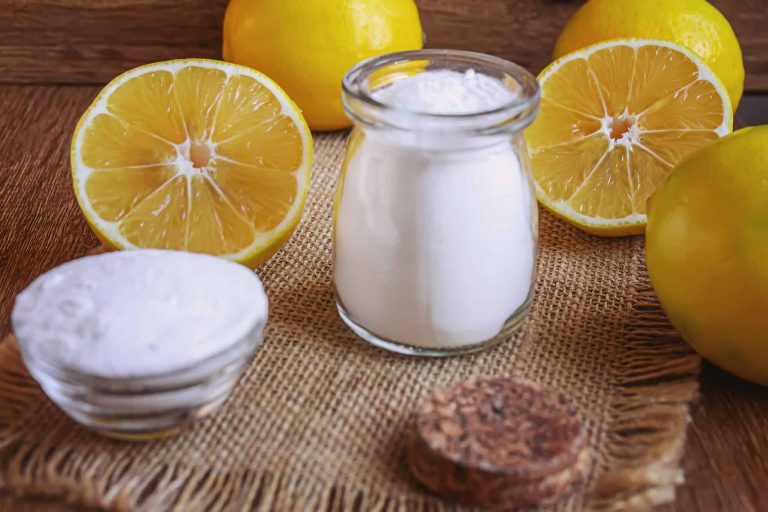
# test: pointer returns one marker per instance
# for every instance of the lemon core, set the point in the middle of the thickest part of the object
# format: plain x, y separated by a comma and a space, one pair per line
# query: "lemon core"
200, 154
620, 127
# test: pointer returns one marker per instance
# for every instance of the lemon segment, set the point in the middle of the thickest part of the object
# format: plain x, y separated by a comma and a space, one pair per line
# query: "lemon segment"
196, 155
115, 192
615, 118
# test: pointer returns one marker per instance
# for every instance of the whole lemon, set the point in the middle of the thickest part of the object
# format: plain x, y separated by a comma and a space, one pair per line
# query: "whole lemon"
307, 46
695, 24
707, 251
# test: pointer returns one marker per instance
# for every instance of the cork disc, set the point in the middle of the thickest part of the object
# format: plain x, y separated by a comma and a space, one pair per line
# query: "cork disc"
499, 442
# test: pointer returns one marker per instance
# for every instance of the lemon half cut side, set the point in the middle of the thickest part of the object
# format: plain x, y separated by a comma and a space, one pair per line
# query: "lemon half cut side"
615, 118
193, 154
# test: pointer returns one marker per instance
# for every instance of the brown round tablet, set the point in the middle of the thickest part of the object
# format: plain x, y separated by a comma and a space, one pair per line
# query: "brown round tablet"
499, 442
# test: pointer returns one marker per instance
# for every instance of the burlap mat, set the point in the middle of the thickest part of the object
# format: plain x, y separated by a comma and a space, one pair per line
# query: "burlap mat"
318, 421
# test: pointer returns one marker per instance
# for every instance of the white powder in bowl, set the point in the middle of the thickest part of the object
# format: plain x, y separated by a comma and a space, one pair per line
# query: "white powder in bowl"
138, 313
435, 235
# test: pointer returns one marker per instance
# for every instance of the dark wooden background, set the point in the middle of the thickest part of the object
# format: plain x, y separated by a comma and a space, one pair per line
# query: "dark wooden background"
74, 42
91, 41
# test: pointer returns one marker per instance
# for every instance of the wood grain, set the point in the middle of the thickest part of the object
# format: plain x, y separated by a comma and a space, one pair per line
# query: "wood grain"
726, 460
41, 227
91, 41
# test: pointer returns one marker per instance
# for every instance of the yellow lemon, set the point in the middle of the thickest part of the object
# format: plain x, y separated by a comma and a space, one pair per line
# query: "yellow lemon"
615, 118
695, 24
307, 46
707, 250
196, 155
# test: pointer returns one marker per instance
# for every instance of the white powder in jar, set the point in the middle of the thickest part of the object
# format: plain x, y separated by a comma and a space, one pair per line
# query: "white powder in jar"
138, 313
446, 92
435, 235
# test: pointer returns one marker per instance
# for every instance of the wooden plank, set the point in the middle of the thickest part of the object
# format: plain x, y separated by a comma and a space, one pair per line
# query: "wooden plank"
525, 31
750, 22
725, 460
91, 41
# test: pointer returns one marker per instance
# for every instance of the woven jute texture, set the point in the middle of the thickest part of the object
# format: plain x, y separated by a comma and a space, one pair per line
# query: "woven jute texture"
318, 422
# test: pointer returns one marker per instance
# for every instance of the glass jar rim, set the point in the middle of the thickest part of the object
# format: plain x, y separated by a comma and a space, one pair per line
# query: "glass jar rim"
514, 115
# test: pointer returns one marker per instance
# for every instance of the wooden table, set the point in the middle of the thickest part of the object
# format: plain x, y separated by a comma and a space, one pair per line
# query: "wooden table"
89, 41
41, 227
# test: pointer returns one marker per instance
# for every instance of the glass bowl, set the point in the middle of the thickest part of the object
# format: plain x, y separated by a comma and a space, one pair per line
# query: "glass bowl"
145, 407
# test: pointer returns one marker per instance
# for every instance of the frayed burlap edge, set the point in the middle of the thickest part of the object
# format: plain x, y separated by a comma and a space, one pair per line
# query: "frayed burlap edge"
649, 410
93, 478
643, 445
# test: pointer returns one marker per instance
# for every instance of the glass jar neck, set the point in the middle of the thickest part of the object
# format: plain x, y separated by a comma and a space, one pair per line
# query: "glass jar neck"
363, 81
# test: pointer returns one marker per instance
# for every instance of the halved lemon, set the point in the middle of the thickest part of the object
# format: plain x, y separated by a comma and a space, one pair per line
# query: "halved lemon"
615, 118
195, 155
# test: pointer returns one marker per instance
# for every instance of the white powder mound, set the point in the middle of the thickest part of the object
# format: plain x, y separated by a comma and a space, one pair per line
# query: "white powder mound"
143, 312
446, 92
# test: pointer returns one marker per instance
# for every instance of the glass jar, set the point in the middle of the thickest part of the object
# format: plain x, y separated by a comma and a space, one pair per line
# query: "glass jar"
435, 223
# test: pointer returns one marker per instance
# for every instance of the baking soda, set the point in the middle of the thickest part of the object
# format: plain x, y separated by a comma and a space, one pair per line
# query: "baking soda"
435, 233
446, 92
143, 312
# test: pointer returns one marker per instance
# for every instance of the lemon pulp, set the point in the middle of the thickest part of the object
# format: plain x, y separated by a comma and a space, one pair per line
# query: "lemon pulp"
615, 118
195, 155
